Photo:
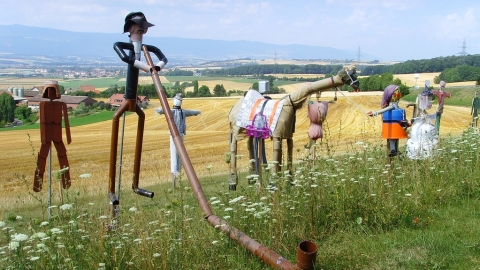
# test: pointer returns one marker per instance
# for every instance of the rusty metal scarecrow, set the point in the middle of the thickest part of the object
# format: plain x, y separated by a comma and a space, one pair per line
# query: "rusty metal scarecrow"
51, 113
136, 25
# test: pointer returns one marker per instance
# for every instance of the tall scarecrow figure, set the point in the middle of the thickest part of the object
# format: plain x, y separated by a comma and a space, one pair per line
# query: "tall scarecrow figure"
441, 95
475, 107
136, 25
179, 117
394, 121
51, 131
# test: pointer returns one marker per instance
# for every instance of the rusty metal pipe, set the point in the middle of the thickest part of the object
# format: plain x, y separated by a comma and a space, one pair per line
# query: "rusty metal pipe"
306, 255
264, 253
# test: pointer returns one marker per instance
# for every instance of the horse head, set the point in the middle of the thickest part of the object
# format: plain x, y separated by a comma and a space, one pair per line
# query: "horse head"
349, 76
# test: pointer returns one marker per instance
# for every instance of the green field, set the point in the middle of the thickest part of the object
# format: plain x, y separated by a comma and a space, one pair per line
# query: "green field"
80, 121
96, 82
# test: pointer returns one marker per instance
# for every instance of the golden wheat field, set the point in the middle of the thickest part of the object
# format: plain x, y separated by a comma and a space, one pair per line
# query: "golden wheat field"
207, 141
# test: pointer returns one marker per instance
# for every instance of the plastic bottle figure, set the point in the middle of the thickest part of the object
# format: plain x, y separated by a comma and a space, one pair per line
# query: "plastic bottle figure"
475, 106
423, 134
394, 121
441, 95
179, 117
51, 131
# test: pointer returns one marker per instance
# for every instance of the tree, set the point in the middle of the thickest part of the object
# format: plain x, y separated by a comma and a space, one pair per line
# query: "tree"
23, 112
219, 91
81, 110
254, 86
203, 91
7, 108
195, 88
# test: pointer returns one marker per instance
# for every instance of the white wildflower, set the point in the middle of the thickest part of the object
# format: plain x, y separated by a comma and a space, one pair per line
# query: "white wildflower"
19, 237
44, 223
56, 231
66, 206
214, 242
38, 235
34, 258
156, 255
85, 175
133, 209
359, 220
2, 224
13, 245
236, 199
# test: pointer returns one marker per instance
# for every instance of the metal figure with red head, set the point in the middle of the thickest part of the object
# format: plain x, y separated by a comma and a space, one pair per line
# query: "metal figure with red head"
136, 25
51, 131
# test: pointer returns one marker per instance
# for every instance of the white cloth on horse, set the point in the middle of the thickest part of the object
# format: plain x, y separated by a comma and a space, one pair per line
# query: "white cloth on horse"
253, 102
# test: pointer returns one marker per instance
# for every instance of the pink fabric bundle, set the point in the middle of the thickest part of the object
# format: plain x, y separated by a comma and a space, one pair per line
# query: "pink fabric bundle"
317, 112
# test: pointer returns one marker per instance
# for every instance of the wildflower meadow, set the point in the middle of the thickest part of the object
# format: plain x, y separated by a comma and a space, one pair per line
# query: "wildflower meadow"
362, 212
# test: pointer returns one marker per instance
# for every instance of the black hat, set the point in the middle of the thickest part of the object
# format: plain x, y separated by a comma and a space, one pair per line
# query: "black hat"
136, 18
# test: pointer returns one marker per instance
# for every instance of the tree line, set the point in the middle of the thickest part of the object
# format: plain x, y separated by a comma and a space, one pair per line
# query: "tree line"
451, 68
273, 69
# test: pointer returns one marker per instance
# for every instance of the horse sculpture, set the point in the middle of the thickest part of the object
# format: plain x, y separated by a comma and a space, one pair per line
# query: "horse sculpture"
280, 115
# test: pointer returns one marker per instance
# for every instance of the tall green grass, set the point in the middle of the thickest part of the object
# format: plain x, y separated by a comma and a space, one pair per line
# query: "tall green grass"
361, 212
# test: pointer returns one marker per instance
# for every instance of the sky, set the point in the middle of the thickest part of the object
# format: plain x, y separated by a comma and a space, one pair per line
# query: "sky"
392, 30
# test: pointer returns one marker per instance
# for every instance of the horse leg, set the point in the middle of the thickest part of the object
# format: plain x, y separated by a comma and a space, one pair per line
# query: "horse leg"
277, 156
233, 180
251, 155
289, 154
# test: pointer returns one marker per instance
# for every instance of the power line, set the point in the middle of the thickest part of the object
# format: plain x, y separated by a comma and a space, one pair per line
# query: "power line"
464, 49
359, 54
